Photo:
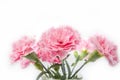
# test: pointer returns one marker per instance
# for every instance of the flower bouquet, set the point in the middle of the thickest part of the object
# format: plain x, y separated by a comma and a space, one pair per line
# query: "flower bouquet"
54, 48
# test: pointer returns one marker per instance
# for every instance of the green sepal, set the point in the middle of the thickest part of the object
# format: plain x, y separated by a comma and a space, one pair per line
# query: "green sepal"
76, 54
83, 54
57, 67
34, 58
38, 66
94, 56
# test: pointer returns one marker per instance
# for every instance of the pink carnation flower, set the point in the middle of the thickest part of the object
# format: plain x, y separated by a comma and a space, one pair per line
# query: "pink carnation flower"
21, 48
56, 43
105, 47
25, 62
86, 45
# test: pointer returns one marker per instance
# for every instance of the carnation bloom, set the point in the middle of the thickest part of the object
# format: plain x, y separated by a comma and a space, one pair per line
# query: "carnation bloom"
86, 45
56, 42
106, 48
21, 48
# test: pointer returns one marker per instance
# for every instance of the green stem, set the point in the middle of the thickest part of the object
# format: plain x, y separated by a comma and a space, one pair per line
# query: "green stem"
79, 69
76, 62
46, 75
46, 69
74, 67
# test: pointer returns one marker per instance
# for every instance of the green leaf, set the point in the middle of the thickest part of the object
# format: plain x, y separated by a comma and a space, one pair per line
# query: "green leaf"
62, 78
56, 75
68, 68
63, 70
40, 75
59, 75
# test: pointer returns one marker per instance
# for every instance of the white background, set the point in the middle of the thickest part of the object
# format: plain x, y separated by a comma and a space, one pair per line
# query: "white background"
32, 17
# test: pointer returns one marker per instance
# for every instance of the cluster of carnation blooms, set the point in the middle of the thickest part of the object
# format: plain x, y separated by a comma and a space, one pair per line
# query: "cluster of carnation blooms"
55, 44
